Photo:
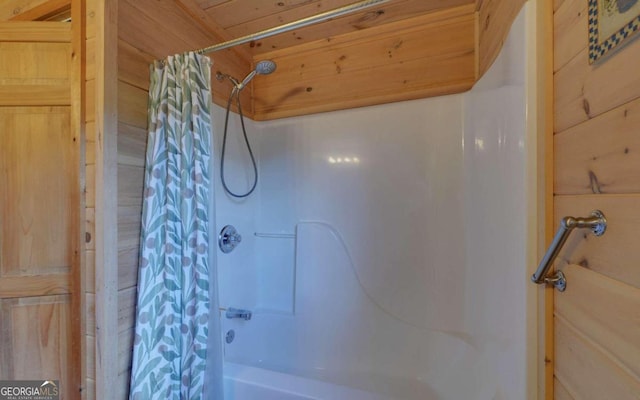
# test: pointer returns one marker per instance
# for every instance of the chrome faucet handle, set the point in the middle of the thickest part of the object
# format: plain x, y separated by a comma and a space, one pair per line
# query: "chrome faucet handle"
228, 239
235, 238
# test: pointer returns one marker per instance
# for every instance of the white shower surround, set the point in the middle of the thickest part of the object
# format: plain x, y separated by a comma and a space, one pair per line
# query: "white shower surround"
407, 278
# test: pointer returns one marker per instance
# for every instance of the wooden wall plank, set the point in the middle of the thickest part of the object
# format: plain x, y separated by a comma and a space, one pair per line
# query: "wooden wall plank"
128, 257
585, 370
90, 59
190, 31
132, 142
90, 144
91, 360
90, 229
612, 322
601, 155
40, 31
80, 314
168, 13
90, 273
613, 254
90, 20
570, 31
124, 381
132, 105
339, 75
90, 103
584, 91
90, 311
141, 30
125, 341
557, 4
90, 389
105, 238
90, 189
126, 309
129, 222
130, 185
545, 152
133, 65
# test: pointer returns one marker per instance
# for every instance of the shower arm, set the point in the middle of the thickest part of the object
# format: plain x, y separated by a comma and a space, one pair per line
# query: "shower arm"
596, 222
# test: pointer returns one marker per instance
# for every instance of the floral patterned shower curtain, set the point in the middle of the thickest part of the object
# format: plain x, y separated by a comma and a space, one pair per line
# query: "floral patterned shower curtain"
170, 345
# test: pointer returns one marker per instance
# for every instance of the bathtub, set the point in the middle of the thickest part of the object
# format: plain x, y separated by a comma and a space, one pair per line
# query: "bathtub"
244, 382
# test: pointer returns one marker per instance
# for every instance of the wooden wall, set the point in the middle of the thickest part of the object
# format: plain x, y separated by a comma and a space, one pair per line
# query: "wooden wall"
596, 146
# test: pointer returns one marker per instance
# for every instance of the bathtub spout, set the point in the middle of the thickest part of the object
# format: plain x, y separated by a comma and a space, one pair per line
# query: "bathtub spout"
238, 313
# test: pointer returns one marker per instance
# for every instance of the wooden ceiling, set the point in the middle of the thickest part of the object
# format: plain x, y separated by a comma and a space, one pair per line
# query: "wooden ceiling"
397, 50
236, 18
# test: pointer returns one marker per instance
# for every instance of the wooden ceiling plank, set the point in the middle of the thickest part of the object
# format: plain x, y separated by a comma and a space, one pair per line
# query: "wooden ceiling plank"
192, 8
204, 4
392, 62
283, 17
375, 17
495, 20
352, 54
243, 11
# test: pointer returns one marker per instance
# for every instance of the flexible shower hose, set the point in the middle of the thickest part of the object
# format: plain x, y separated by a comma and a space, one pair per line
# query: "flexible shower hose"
236, 93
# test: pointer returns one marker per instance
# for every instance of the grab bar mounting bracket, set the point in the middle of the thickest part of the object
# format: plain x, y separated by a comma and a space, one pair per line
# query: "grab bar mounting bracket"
558, 280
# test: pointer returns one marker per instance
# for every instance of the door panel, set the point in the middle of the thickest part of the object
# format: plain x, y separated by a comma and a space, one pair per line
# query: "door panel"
39, 203
36, 337
36, 153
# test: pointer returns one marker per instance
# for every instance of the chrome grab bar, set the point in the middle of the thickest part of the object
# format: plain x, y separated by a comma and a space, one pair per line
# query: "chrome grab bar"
598, 225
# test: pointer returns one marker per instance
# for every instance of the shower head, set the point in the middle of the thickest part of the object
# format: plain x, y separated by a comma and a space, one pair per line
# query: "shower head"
264, 67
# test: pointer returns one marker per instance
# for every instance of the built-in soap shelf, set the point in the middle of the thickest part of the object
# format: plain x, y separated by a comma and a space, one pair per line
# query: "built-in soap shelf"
270, 235
276, 269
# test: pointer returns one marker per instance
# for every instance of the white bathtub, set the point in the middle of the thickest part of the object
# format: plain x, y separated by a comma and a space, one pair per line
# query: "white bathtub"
243, 382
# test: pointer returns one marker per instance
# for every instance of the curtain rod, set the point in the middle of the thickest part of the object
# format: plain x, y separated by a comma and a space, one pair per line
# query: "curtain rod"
292, 25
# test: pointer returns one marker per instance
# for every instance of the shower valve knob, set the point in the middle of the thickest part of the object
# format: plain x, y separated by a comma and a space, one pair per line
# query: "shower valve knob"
235, 239
228, 239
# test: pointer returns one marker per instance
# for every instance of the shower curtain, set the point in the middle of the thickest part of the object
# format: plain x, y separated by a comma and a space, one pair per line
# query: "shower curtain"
172, 320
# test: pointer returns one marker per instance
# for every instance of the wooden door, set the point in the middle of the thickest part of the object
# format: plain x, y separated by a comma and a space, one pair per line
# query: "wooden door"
39, 203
